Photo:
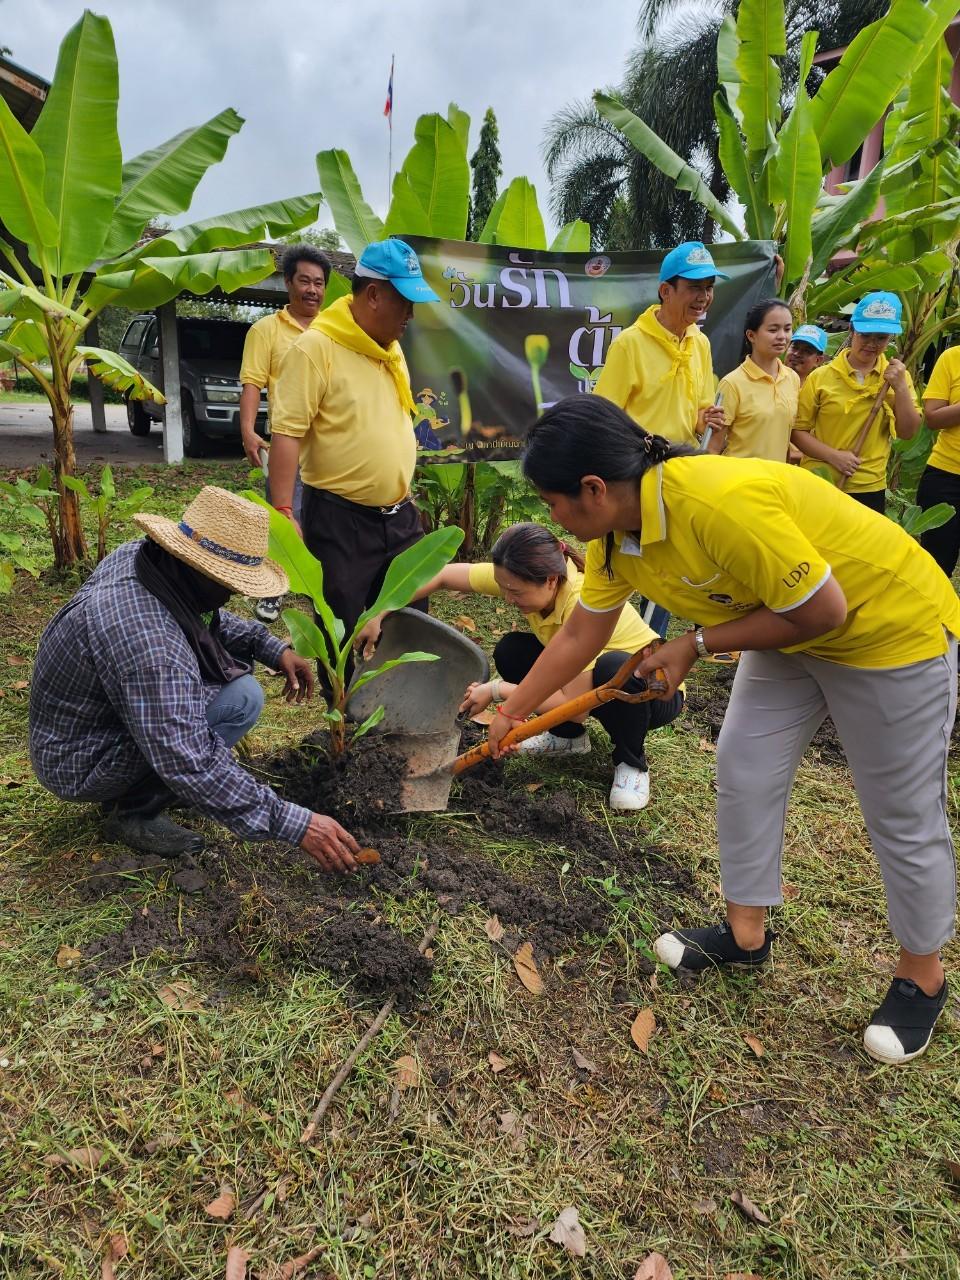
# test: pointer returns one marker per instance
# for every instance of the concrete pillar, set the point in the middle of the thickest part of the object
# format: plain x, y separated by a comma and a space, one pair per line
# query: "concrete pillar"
94, 385
872, 149
170, 358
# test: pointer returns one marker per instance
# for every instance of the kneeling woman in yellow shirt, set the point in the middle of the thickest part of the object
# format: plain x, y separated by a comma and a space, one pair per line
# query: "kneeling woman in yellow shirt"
760, 396
836, 611
836, 400
542, 577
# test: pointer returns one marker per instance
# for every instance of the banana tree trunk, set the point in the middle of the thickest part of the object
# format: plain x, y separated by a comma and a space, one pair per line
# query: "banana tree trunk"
468, 511
70, 546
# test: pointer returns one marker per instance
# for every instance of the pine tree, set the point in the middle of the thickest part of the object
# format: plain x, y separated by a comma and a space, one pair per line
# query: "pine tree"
487, 167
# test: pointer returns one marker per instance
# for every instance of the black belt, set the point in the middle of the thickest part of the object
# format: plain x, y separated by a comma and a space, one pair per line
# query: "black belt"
339, 501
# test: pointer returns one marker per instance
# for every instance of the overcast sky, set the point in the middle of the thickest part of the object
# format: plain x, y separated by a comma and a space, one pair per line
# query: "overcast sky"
312, 74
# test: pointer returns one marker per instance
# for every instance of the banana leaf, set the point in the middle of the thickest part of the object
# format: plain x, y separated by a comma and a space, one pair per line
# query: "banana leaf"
459, 122
850, 285
27, 303
153, 281
409, 571
796, 177
115, 372
77, 133
758, 213
520, 221
352, 216
728, 76
436, 177
22, 340
573, 237
415, 655
762, 37
232, 230
666, 160
838, 219
308, 640
162, 180
23, 208
489, 233
876, 63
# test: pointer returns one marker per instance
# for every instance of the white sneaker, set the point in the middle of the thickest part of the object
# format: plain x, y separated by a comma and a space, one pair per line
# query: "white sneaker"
631, 788
549, 744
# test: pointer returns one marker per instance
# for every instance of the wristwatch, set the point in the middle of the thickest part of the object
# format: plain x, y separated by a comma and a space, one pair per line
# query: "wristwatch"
699, 644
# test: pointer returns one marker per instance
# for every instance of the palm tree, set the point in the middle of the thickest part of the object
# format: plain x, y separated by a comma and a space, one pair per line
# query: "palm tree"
669, 81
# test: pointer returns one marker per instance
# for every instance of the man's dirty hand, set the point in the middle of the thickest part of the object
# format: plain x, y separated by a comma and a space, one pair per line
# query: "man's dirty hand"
299, 674
330, 845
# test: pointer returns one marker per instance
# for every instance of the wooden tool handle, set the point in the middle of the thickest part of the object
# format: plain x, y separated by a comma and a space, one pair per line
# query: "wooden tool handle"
582, 705
861, 438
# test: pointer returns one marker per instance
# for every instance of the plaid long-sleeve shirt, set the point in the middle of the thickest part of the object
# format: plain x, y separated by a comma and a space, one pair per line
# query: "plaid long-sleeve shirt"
116, 690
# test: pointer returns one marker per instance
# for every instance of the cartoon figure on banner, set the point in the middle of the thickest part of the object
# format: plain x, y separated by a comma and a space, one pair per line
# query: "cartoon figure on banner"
427, 419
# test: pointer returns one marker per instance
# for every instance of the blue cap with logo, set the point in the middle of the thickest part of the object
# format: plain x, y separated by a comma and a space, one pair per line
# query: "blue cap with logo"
395, 261
813, 335
690, 260
878, 312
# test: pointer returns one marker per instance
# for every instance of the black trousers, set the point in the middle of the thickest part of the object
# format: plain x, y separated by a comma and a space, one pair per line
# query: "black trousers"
355, 545
627, 724
943, 543
876, 501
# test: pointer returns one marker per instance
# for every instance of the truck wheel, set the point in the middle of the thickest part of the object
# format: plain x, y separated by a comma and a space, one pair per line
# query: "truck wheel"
194, 441
137, 419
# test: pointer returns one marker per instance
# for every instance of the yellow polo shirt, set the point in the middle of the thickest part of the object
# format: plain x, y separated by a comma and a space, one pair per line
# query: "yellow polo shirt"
760, 409
631, 634
944, 384
356, 439
834, 405
266, 343
720, 537
662, 381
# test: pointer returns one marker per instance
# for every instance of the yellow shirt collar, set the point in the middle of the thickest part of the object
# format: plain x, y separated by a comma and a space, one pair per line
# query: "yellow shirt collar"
754, 371
571, 583
653, 514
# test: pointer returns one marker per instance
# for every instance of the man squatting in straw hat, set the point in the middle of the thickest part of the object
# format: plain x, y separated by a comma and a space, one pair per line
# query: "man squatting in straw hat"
137, 698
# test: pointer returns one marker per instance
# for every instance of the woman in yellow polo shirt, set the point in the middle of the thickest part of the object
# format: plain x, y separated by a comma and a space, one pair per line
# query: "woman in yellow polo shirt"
940, 481
760, 396
541, 576
835, 609
836, 399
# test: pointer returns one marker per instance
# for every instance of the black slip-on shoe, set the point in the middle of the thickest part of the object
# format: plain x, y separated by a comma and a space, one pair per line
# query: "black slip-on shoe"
901, 1028
158, 836
697, 949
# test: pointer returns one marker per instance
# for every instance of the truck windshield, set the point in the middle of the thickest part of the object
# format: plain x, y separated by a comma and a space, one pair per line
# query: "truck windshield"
212, 342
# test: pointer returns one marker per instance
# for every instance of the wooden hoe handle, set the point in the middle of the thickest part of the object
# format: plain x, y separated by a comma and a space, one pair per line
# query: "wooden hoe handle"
861, 438
587, 702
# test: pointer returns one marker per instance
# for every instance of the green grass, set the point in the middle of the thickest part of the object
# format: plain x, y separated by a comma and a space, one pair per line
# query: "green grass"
22, 397
844, 1156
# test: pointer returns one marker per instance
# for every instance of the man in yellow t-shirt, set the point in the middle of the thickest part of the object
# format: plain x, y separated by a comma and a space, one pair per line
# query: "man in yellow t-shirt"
343, 408
306, 272
940, 481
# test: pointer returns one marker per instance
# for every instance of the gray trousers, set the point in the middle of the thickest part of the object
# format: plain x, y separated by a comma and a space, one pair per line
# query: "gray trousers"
895, 726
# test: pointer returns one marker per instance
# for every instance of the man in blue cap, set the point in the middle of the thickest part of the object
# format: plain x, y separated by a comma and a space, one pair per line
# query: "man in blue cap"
807, 351
342, 406
660, 369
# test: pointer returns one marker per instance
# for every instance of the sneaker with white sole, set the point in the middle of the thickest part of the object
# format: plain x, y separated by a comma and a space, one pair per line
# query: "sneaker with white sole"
901, 1028
631, 788
710, 946
268, 609
549, 744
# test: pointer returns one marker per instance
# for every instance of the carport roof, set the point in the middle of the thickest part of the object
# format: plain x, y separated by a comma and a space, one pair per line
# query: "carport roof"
24, 91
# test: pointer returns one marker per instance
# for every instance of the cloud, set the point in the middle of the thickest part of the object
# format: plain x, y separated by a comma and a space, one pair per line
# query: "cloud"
307, 75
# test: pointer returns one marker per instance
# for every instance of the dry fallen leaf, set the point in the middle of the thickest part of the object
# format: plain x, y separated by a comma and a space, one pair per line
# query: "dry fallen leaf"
367, 857
706, 1205
583, 1063
568, 1232
14, 660
512, 1126
68, 957
790, 891
953, 1168
179, 995
296, 1265
526, 968
237, 1260
532, 786
755, 1044
742, 1275
529, 1227
654, 1267
707, 745
407, 1072
82, 1157
163, 1142
116, 1249
20, 684
749, 1209
494, 929
466, 622
222, 1206
644, 1025
497, 1063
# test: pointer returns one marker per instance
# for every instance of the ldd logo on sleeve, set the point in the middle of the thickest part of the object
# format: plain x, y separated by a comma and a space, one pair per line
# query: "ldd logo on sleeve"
796, 575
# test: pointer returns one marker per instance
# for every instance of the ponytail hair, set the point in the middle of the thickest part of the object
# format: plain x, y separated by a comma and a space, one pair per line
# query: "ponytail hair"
590, 436
533, 553
755, 318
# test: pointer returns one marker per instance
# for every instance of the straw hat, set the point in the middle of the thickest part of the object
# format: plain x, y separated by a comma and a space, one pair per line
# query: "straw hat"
225, 537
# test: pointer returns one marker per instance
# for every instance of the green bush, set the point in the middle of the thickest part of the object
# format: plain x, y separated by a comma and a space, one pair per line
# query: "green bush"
78, 388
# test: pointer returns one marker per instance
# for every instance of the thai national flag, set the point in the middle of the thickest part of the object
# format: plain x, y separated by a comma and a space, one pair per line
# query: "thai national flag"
388, 105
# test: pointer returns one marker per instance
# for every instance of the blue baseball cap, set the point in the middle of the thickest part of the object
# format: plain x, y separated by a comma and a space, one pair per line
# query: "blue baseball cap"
878, 312
813, 335
691, 260
395, 261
